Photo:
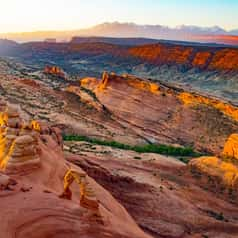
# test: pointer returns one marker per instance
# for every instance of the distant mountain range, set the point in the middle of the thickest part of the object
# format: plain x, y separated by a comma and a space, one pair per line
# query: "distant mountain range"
214, 34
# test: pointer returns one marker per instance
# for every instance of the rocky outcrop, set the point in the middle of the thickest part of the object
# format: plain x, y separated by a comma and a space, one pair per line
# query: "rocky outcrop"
18, 140
23, 151
36, 189
131, 80
104, 81
231, 147
159, 112
86, 96
221, 172
55, 71
163, 198
226, 108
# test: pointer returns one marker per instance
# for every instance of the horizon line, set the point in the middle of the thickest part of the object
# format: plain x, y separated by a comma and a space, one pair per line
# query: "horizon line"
118, 22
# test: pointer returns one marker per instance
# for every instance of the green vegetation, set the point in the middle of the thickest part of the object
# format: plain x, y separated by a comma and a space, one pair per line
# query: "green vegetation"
89, 92
149, 148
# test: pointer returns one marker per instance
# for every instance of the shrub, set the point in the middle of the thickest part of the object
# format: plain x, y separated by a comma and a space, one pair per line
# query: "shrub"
149, 148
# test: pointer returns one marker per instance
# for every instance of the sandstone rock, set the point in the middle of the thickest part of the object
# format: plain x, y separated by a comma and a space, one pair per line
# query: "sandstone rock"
12, 111
55, 70
4, 180
3, 105
24, 150
231, 147
18, 142
45, 215
193, 99
220, 171
104, 81
24, 140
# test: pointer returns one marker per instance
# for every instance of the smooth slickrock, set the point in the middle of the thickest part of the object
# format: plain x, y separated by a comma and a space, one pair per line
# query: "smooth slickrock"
160, 194
36, 192
166, 115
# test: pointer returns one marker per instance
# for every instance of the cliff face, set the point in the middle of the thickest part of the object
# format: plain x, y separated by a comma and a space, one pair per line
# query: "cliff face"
206, 68
205, 58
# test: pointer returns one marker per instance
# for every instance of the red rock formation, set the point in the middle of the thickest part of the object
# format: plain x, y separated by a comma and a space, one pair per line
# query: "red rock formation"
210, 58
161, 113
226, 108
221, 171
201, 59
231, 147
161, 54
54, 70
164, 199
36, 190
226, 59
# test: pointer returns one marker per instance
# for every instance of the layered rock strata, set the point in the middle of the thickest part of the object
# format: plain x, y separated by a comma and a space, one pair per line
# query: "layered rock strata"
18, 139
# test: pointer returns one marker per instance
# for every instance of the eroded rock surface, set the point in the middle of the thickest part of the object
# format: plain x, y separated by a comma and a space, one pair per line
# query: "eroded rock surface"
220, 172
231, 147
163, 114
19, 140
159, 192
31, 206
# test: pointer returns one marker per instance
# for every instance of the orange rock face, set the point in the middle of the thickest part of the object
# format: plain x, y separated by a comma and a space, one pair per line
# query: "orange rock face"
221, 59
161, 54
131, 80
226, 59
221, 172
231, 147
201, 59
18, 140
226, 108
54, 70
162, 197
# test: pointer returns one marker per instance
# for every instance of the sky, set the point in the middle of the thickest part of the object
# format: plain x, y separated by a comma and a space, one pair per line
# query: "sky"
36, 15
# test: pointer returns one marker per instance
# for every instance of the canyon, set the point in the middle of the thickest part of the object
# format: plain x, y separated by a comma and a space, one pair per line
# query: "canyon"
203, 68
153, 156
